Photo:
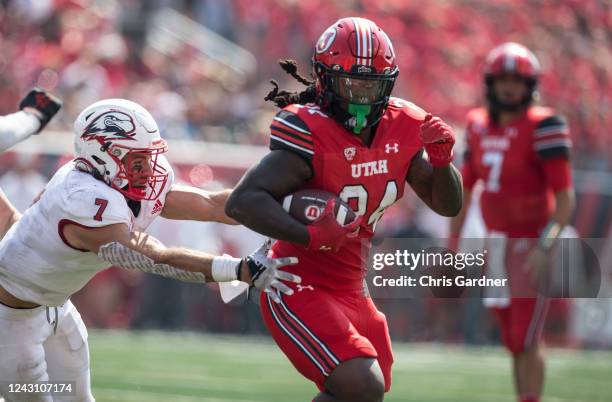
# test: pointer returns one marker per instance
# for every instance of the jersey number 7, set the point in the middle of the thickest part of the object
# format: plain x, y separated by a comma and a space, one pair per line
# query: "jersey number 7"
101, 203
494, 160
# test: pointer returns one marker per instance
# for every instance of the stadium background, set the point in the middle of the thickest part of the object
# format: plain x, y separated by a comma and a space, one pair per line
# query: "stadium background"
202, 68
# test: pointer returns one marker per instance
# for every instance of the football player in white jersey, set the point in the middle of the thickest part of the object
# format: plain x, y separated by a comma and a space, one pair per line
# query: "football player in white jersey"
92, 215
37, 108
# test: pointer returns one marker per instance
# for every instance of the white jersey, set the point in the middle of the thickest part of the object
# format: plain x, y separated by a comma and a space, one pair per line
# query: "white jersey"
37, 264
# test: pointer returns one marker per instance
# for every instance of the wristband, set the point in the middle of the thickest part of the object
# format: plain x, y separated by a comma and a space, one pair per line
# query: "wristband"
225, 268
439, 157
549, 235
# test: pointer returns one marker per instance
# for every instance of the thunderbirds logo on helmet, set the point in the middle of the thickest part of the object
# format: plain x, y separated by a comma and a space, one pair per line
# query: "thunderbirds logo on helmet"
112, 125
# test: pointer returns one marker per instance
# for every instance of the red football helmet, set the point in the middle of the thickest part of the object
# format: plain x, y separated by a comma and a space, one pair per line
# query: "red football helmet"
511, 58
354, 63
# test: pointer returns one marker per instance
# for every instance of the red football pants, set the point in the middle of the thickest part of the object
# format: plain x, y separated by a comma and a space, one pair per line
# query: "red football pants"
318, 329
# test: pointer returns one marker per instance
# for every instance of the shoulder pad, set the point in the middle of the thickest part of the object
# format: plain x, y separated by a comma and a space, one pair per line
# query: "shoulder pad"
290, 132
93, 203
537, 113
408, 108
292, 116
551, 136
552, 121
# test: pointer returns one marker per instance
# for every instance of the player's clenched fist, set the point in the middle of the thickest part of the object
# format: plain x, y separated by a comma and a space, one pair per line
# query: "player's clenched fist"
326, 234
41, 104
266, 275
439, 139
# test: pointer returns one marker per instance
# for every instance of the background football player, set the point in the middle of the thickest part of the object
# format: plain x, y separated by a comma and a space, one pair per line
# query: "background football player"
37, 108
92, 215
521, 153
330, 330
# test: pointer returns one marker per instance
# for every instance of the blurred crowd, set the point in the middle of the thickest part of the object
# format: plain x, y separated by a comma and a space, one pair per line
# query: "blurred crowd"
85, 50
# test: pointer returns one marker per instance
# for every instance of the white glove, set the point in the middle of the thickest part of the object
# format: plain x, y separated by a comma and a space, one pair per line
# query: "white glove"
265, 274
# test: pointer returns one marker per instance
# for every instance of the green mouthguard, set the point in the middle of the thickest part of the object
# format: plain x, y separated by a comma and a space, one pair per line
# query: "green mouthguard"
360, 112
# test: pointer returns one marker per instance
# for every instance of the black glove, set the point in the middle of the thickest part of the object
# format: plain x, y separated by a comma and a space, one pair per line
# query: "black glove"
45, 104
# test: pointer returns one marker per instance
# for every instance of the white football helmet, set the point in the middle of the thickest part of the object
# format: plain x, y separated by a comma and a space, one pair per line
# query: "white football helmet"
118, 141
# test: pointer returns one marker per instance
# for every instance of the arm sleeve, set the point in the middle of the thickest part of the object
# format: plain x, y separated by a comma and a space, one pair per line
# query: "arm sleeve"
288, 131
551, 138
16, 127
121, 256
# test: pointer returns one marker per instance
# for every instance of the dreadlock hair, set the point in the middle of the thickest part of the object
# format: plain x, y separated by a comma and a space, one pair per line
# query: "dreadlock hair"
284, 98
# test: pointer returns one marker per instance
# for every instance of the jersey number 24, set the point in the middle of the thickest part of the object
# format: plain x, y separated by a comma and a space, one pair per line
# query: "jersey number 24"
360, 193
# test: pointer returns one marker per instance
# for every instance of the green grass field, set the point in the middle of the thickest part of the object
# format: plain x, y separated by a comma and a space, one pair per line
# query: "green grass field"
185, 367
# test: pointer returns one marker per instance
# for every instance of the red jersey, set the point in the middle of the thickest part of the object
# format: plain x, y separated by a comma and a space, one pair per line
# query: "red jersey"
522, 164
369, 179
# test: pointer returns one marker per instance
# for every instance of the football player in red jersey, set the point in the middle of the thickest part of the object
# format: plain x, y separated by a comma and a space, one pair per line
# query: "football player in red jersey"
346, 135
521, 153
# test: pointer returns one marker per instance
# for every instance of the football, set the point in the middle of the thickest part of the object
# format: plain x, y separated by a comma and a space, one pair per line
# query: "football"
307, 205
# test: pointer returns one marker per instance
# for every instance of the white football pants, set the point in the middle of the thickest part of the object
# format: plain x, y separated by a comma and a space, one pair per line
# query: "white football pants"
31, 351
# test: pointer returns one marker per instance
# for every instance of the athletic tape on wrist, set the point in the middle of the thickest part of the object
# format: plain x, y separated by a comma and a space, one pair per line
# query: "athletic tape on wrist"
225, 268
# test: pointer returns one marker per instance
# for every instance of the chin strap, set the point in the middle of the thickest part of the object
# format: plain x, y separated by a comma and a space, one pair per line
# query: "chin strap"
359, 113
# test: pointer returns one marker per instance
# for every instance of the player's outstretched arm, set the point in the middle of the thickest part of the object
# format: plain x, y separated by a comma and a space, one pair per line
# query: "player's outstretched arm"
191, 203
92, 239
37, 109
136, 250
255, 200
